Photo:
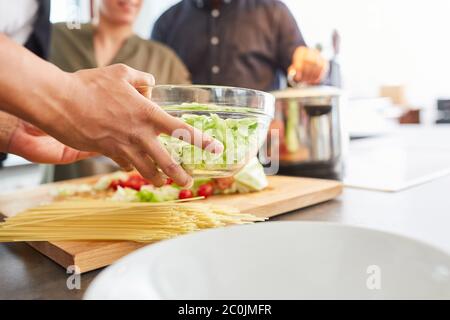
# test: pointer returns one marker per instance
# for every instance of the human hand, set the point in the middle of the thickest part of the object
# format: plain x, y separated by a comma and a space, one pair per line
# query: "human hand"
308, 66
101, 111
23, 139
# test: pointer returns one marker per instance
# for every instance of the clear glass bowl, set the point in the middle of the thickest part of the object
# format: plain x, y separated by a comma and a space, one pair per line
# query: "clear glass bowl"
237, 117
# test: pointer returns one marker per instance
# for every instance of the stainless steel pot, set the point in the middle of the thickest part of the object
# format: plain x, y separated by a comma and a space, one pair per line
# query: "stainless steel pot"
311, 138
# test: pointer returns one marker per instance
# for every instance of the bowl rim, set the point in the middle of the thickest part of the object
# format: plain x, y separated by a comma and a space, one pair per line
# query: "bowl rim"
268, 108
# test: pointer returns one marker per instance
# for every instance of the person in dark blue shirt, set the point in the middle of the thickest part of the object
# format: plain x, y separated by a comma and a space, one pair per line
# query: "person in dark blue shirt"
243, 43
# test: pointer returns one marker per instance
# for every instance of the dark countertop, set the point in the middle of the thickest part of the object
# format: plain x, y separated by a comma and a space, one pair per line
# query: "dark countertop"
422, 212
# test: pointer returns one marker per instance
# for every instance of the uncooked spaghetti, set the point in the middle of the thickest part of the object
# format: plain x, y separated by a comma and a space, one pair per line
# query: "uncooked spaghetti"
108, 220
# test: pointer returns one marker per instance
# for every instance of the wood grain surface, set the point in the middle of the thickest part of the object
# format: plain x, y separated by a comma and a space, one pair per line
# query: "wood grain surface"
283, 195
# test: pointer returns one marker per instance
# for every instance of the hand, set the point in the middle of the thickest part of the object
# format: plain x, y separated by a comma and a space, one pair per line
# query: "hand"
21, 138
308, 65
103, 112
96, 110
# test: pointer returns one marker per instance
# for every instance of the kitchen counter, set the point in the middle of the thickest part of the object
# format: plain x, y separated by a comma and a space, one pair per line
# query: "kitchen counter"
421, 212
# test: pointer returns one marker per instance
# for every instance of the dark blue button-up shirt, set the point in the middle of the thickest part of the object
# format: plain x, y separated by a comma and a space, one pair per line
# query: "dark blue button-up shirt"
243, 43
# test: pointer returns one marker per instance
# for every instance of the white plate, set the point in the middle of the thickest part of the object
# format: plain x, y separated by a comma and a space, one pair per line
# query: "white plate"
279, 260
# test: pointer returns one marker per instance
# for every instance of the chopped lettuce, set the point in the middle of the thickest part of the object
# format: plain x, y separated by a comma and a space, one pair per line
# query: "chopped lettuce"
251, 177
161, 194
125, 195
239, 137
146, 194
67, 190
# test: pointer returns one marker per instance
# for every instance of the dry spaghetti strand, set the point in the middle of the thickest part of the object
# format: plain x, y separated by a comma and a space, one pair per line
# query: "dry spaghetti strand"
108, 220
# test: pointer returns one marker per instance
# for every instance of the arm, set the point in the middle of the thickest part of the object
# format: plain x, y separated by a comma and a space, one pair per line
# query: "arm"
307, 64
288, 35
96, 110
27, 141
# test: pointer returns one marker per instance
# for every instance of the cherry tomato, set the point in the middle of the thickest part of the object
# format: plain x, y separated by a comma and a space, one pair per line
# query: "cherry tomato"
205, 190
224, 183
185, 194
136, 185
133, 183
114, 184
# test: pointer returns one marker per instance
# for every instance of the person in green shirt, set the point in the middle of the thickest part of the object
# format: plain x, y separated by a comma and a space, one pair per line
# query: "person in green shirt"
110, 40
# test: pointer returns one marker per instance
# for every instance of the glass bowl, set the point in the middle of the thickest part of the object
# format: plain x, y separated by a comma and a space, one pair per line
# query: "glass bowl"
237, 117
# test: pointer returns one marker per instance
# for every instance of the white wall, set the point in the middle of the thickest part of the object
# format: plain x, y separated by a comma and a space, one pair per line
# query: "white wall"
69, 10
151, 10
383, 41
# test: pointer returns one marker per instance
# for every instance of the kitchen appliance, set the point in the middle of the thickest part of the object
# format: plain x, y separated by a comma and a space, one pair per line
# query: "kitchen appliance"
311, 138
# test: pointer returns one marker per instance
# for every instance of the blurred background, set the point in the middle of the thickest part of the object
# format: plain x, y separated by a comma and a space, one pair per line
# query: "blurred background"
383, 43
393, 67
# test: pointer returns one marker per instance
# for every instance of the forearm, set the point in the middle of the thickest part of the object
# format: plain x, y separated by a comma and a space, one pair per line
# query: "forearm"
30, 88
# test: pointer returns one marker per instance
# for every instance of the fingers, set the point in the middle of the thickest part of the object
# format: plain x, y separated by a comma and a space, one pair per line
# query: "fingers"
162, 120
175, 127
146, 167
317, 67
298, 62
165, 162
70, 155
124, 164
309, 65
310, 72
144, 151
45, 149
325, 67
134, 77
145, 140
142, 81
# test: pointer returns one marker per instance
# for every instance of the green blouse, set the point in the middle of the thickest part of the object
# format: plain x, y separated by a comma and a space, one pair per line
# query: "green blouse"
73, 49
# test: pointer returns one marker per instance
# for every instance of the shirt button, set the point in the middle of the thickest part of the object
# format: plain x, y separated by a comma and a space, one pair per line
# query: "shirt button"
214, 41
215, 69
215, 13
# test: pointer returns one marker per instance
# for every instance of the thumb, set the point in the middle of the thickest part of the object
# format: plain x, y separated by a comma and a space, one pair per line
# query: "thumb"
294, 74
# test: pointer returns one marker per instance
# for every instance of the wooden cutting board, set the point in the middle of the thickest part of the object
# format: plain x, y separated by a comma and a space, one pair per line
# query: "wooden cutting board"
284, 194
